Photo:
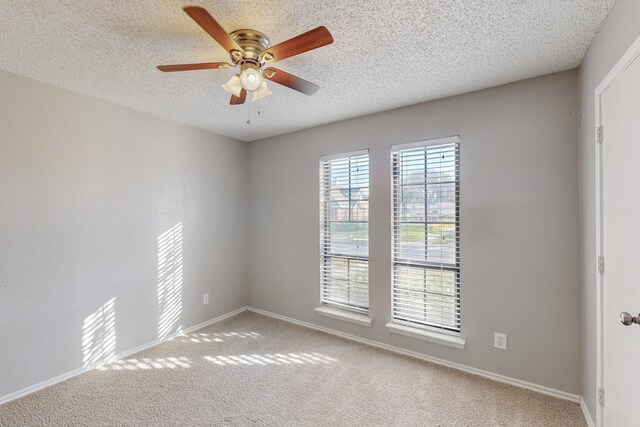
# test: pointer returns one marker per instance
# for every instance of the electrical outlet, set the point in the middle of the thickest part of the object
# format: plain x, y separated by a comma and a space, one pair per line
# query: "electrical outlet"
500, 340
205, 298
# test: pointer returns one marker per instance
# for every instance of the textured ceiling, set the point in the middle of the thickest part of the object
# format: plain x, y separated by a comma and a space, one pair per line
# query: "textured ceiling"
386, 54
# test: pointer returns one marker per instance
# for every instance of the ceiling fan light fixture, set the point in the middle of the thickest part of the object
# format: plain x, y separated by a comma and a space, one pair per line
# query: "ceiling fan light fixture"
251, 79
233, 86
262, 91
250, 50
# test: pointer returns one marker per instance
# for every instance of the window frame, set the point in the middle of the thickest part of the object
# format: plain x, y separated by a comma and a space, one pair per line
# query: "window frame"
323, 228
426, 266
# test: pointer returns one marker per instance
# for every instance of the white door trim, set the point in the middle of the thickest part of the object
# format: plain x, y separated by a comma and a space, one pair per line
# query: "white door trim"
630, 55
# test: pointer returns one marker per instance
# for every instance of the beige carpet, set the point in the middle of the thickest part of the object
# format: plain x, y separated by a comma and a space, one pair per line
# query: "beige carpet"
252, 370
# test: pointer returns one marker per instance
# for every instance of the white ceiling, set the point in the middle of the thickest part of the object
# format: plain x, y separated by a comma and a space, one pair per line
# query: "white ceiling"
386, 54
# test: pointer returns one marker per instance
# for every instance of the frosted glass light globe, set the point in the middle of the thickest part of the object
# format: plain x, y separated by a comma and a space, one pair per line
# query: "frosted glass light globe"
233, 86
262, 91
251, 79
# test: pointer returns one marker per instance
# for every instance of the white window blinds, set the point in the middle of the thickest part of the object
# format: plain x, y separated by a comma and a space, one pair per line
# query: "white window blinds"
344, 231
426, 234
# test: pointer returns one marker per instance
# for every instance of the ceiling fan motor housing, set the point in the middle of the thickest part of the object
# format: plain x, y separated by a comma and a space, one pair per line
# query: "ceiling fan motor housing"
252, 42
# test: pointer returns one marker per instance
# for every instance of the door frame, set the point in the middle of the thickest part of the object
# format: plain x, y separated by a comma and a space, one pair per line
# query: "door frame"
625, 61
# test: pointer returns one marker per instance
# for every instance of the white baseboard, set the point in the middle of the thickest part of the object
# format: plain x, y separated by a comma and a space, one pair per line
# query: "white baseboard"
39, 386
468, 369
586, 413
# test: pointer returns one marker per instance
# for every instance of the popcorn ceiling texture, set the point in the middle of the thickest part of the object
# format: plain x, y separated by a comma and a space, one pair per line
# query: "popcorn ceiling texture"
386, 54
252, 370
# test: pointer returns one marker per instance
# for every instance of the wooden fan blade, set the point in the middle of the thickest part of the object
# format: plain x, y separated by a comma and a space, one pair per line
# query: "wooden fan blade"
310, 40
202, 18
291, 81
237, 100
189, 67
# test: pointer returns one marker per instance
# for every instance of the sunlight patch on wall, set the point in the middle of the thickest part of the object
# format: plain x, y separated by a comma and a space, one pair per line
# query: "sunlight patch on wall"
99, 335
147, 363
170, 281
271, 359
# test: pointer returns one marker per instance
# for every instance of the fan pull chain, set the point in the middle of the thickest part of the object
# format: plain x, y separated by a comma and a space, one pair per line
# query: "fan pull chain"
249, 110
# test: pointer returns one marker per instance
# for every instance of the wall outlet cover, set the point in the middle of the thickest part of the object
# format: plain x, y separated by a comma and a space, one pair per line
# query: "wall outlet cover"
500, 340
205, 298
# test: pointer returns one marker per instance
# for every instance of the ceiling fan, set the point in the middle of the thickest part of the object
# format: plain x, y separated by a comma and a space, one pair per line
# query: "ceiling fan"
250, 51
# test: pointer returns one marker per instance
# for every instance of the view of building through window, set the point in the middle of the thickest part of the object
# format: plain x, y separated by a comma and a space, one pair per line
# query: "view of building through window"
344, 231
426, 264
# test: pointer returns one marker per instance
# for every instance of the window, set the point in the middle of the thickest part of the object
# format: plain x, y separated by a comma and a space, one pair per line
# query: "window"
344, 231
426, 234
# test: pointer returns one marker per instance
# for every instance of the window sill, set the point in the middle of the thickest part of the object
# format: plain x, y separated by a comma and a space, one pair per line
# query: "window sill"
422, 334
347, 316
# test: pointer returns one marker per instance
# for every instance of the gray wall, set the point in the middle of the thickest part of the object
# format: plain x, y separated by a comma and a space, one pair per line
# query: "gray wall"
519, 232
618, 32
87, 188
